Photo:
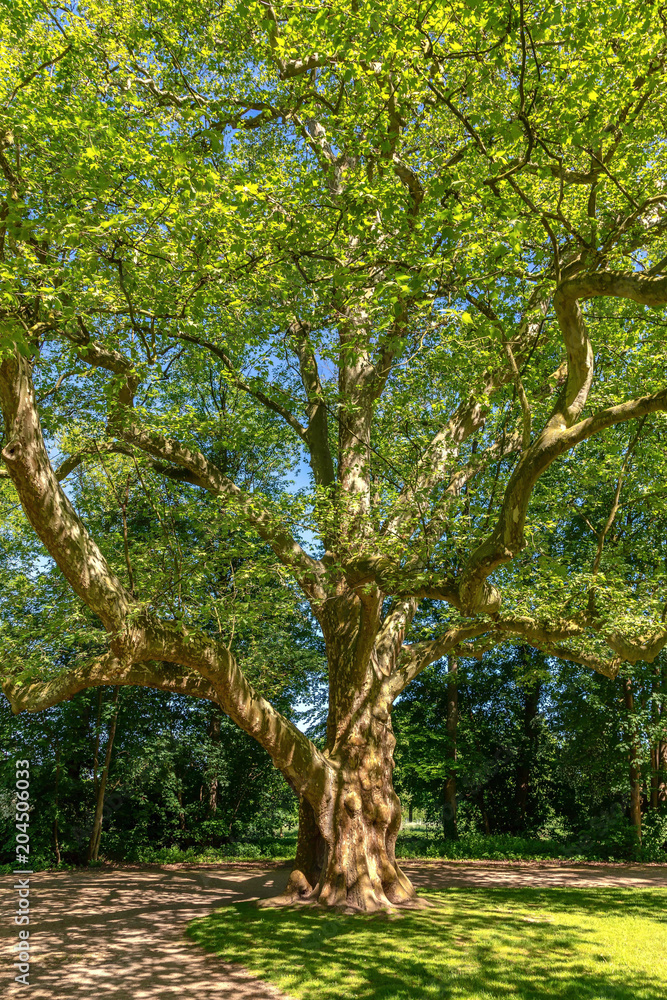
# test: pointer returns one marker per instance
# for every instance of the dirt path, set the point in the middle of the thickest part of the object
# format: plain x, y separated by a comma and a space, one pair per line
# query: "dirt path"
117, 933
539, 874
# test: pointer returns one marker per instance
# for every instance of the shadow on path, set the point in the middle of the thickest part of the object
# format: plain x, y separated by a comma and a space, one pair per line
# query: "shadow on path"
533, 874
118, 933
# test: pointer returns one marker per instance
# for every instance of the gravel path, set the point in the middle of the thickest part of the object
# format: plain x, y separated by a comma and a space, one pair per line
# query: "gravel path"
117, 933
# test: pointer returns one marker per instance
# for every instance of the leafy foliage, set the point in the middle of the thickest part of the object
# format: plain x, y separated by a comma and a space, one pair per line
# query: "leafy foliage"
338, 333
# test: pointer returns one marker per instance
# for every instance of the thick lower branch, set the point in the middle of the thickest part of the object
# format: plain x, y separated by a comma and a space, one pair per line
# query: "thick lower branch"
608, 668
563, 430
104, 670
46, 506
507, 538
290, 749
154, 655
417, 657
550, 637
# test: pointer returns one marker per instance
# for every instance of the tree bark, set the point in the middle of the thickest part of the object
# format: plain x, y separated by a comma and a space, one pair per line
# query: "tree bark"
310, 853
449, 822
348, 827
347, 834
633, 757
96, 835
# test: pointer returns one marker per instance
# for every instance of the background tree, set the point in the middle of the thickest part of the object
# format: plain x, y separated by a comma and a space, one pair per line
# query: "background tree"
158, 789
505, 752
580, 779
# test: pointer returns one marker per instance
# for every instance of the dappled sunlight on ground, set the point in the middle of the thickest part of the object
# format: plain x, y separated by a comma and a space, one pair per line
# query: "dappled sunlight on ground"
442, 874
473, 944
119, 934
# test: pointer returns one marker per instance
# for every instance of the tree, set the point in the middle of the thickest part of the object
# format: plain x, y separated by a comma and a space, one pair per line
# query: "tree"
157, 781
100, 782
497, 764
659, 738
450, 803
389, 228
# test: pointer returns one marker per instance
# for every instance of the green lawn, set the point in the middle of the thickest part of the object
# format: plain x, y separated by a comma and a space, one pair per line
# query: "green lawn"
477, 944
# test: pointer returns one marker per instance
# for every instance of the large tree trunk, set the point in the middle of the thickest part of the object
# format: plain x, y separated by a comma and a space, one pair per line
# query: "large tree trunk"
347, 837
348, 827
362, 819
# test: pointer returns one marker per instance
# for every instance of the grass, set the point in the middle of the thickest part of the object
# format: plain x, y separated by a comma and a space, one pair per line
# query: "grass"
422, 842
473, 944
414, 841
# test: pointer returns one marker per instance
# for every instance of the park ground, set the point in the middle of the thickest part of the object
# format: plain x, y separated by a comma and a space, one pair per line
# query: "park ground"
517, 930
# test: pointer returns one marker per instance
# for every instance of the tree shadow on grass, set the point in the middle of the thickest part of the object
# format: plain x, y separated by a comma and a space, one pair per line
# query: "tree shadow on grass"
514, 944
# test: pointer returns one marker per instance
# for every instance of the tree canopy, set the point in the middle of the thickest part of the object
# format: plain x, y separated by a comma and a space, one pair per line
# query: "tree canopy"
364, 275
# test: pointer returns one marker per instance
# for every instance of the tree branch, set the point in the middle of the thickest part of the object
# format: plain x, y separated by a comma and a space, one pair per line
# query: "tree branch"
196, 469
72, 462
46, 505
317, 435
561, 433
147, 654
35, 696
608, 668
468, 418
417, 657
257, 394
